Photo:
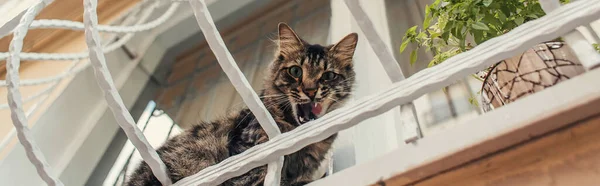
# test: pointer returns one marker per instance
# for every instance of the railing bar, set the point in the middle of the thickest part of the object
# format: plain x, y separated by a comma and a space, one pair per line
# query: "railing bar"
240, 83
583, 49
273, 177
113, 99
33, 97
593, 32
231, 69
19, 119
553, 25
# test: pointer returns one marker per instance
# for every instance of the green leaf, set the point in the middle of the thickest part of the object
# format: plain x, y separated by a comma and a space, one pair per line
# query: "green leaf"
432, 63
506, 10
480, 26
473, 101
435, 3
487, 3
502, 16
413, 57
446, 36
427, 21
491, 20
533, 16
403, 46
449, 25
478, 36
456, 32
412, 30
434, 35
441, 22
421, 36
519, 20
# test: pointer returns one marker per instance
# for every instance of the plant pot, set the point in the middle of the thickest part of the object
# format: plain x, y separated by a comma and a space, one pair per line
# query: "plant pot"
540, 67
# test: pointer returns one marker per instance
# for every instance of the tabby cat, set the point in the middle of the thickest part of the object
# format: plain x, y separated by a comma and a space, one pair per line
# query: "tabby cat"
304, 82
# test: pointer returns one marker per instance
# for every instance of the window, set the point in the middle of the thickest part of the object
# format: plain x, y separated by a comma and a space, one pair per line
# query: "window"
157, 127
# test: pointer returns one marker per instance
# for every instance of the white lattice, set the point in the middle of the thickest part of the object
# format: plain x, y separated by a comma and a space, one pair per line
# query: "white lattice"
560, 21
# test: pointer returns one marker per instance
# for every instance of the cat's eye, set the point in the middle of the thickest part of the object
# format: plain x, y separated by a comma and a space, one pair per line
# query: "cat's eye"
328, 76
295, 71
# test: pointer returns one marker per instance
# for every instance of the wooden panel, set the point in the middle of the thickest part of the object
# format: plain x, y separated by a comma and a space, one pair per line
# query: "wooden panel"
555, 120
258, 16
570, 156
48, 40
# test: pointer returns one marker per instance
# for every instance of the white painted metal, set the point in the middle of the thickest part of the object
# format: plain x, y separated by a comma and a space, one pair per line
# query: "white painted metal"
273, 177
583, 49
502, 121
240, 83
555, 24
411, 131
18, 116
115, 103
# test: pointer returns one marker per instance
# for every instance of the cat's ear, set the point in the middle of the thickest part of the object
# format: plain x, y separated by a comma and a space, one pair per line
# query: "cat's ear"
289, 42
344, 49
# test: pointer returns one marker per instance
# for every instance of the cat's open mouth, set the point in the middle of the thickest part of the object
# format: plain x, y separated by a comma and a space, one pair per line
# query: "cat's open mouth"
308, 112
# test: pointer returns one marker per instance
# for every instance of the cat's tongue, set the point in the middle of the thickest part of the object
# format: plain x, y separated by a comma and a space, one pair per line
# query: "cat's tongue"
316, 109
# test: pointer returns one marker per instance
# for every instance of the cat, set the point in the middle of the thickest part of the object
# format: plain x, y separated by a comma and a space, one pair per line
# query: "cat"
304, 82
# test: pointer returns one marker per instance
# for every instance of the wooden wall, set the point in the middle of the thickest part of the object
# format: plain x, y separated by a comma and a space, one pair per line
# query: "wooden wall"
197, 88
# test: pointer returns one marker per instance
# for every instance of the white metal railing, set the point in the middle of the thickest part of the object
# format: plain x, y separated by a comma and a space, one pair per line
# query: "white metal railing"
240, 83
115, 103
14, 98
557, 23
135, 16
588, 56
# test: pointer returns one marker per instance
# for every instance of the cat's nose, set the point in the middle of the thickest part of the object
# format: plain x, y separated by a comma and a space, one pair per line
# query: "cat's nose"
310, 92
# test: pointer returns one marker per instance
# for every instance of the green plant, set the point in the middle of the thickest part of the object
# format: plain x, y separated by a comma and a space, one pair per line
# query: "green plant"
458, 20
596, 46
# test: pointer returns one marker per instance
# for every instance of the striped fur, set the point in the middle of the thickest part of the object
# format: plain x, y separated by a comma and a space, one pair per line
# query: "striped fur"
208, 143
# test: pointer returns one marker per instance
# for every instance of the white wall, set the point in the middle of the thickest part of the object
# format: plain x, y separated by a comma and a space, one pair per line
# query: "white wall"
378, 135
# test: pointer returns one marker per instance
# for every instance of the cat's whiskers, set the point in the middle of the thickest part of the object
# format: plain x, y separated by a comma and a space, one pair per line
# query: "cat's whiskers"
273, 103
274, 95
